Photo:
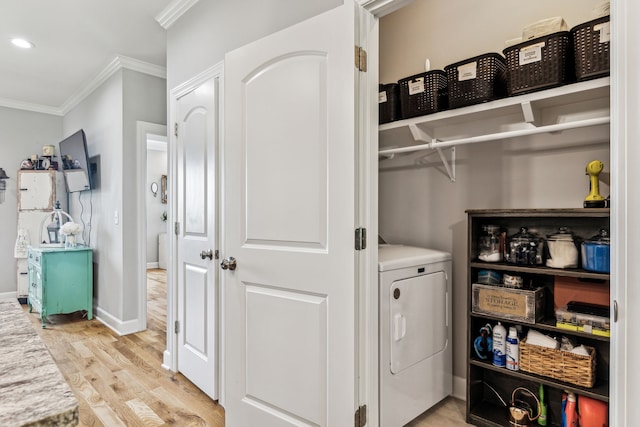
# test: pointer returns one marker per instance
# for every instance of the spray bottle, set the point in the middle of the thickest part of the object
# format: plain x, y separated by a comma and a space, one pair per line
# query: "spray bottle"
542, 419
499, 345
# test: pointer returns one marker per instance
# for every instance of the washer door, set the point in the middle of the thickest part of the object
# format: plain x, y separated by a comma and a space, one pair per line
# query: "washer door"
418, 316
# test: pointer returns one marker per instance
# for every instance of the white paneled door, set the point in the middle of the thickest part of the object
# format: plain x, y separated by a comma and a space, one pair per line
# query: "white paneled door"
289, 148
197, 270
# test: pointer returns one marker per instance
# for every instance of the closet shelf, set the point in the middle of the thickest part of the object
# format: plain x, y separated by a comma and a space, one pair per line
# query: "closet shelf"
530, 112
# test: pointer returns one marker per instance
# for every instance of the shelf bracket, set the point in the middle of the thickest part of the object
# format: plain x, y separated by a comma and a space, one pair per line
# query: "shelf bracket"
419, 134
451, 170
528, 112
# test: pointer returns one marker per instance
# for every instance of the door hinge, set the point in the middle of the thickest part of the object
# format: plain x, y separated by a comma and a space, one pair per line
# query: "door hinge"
361, 239
176, 228
176, 326
175, 129
361, 416
361, 59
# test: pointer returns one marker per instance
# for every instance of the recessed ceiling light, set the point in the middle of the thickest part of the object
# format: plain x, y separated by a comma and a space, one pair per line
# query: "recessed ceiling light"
25, 44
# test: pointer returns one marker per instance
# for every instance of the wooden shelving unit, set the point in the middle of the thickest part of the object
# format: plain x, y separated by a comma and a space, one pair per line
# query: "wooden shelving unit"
483, 407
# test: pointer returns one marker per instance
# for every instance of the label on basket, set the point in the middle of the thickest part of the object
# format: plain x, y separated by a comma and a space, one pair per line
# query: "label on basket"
416, 86
382, 97
531, 53
605, 31
467, 71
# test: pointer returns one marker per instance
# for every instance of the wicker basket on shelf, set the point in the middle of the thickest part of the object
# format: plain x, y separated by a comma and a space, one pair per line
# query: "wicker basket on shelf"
476, 80
540, 63
591, 45
388, 103
558, 364
423, 93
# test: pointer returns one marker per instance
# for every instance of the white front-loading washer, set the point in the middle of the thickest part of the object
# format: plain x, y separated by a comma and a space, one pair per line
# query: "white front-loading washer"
415, 331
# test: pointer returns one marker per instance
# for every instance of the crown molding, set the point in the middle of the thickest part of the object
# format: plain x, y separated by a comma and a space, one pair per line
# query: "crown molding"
118, 63
142, 67
36, 108
170, 14
381, 8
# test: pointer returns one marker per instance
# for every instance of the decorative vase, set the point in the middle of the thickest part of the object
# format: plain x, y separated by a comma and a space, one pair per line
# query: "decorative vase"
70, 241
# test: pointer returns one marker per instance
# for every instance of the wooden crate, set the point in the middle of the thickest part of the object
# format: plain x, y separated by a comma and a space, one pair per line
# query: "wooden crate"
521, 305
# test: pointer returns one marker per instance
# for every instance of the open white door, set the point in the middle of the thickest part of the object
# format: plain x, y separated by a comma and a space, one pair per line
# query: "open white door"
196, 132
289, 221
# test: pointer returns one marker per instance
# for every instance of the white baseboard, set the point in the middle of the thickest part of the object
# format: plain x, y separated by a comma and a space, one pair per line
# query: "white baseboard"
166, 360
459, 388
152, 265
8, 295
117, 325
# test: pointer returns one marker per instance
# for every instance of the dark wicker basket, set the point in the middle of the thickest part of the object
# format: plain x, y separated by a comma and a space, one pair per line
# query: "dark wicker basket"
484, 81
591, 47
540, 63
423, 93
388, 104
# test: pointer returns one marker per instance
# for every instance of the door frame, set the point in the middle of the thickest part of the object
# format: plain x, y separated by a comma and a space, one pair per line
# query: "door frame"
625, 130
367, 301
170, 357
143, 131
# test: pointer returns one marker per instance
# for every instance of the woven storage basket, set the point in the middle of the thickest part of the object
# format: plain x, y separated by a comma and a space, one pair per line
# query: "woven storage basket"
388, 104
561, 365
476, 80
540, 63
591, 48
423, 93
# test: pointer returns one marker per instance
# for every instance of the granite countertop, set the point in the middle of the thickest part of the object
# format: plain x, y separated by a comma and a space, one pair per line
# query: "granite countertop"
33, 392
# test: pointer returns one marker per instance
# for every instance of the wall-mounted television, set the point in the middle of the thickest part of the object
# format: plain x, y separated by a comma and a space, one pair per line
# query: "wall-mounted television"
75, 162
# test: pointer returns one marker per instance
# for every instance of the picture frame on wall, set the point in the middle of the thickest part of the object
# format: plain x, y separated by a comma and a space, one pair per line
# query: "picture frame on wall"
163, 189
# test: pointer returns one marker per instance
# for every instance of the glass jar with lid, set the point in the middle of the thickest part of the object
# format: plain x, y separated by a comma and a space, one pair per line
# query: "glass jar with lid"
524, 248
563, 252
596, 252
491, 244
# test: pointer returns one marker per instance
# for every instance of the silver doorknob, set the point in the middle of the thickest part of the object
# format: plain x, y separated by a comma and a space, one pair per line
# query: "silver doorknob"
229, 263
206, 254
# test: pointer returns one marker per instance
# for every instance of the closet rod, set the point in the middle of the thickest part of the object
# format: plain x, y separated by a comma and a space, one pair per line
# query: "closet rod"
500, 135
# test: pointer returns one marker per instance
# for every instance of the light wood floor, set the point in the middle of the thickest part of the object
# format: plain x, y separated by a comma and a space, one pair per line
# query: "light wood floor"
448, 413
119, 381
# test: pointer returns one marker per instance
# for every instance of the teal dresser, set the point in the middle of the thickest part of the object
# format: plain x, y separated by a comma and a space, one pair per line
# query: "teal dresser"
60, 280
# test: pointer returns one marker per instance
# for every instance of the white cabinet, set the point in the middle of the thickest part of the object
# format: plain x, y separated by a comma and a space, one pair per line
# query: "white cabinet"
38, 192
162, 250
23, 277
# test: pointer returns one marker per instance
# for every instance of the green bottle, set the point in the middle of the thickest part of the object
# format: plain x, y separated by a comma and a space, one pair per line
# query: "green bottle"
542, 419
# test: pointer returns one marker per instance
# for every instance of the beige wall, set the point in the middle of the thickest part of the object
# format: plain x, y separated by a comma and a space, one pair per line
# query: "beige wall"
453, 30
418, 204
